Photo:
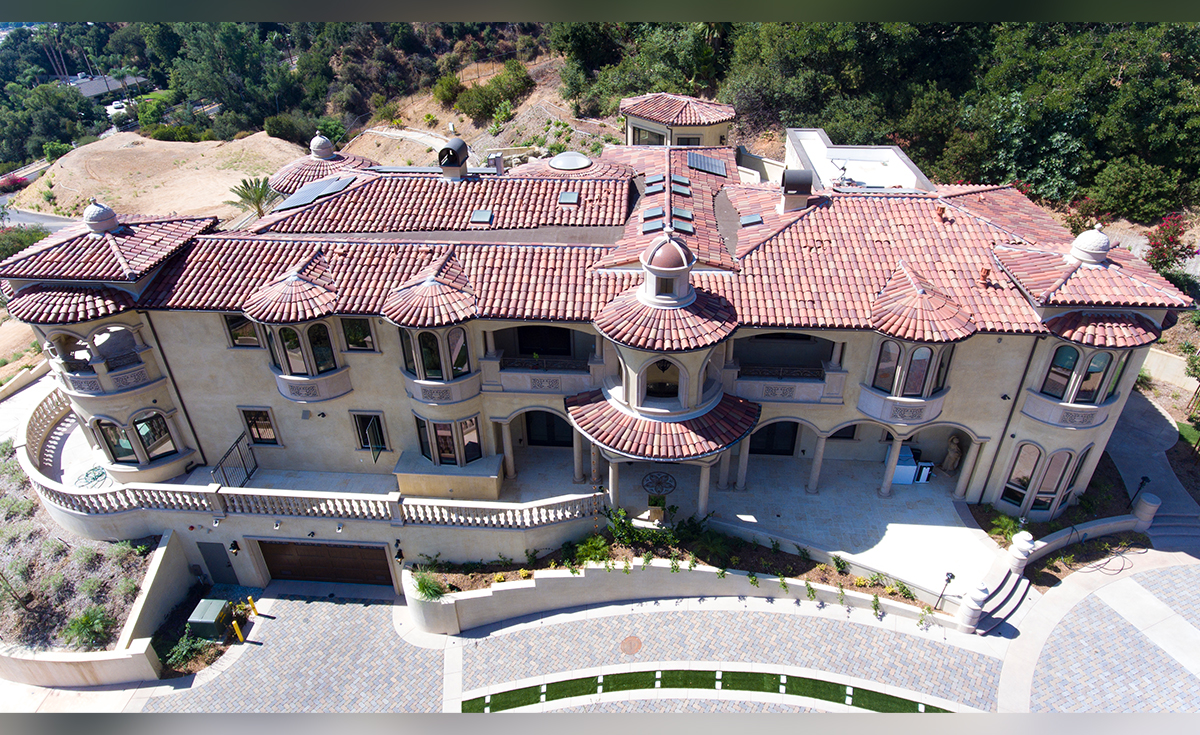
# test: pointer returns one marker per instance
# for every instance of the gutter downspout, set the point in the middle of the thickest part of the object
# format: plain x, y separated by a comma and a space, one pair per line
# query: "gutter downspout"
1008, 422
178, 396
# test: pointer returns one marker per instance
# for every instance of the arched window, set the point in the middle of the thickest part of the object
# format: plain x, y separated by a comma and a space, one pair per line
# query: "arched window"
431, 355
1061, 368
1093, 380
155, 435
939, 381
918, 369
1117, 373
322, 348
885, 369
293, 353
120, 448
449, 442
662, 379
1021, 474
1049, 485
459, 364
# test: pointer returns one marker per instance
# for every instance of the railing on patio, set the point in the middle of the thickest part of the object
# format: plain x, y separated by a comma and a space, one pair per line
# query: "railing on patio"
550, 365
222, 498
237, 465
782, 373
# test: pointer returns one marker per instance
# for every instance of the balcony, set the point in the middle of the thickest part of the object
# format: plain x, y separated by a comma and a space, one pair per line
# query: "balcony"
116, 374
897, 411
762, 383
564, 376
314, 388
1065, 415
434, 392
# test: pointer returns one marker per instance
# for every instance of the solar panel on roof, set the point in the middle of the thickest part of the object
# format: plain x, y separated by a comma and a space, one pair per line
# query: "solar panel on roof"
568, 197
336, 185
481, 217
656, 178
677, 179
656, 189
681, 226
309, 193
707, 164
652, 213
682, 191
752, 219
682, 213
648, 227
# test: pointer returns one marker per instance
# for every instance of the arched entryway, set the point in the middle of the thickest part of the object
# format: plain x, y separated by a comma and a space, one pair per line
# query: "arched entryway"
545, 429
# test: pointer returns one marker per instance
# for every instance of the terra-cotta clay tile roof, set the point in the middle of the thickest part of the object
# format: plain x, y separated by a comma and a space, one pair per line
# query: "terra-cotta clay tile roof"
306, 292
910, 308
1051, 279
677, 109
599, 169
1118, 331
1008, 209
44, 303
662, 441
124, 254
309, 168
760, 199
408, 203
706, 321
437, 296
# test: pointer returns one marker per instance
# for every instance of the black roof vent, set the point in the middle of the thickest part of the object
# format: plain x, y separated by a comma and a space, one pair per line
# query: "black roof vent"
454, 153
797, 182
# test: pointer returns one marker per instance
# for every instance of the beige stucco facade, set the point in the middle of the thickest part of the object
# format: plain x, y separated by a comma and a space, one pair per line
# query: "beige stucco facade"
707, 135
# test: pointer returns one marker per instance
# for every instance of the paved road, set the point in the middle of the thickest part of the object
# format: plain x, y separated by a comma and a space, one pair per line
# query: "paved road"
23, 217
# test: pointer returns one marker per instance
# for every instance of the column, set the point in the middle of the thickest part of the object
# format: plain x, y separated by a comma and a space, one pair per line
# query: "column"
614, 497
723, 476
705, 477
510, 462
743, 461
965, 469
489, 338
885, 490
577, 451
595, 464
815, 473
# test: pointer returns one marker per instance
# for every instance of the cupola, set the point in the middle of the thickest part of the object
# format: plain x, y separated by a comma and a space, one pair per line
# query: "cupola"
668, 265
1091, 247
795, 189
453, 159
321, 147
100, 218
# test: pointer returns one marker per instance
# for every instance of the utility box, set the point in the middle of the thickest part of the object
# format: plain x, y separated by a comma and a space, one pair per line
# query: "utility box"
210, 619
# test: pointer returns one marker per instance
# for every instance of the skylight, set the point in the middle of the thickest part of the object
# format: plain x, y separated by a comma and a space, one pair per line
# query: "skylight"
568, 197
481, 217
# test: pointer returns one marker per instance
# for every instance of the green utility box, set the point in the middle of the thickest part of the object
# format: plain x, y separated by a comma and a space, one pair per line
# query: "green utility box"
210, 619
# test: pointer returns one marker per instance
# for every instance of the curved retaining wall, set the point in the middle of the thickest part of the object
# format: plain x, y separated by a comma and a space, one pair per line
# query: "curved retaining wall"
1080, 533
554, 589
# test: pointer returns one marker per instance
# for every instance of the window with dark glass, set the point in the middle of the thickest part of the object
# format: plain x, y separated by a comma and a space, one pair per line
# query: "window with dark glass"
1021, 474
544, 341
289, 339
885, 369
272, 349
406, 346
242, 332
918, 368
939, 380
1061, 369
1079, 467
470, 434
646, 137
687, 140
459, 363
118, 443
431, 355
778, 438
1047, 489
155, 436
844, 433
544, 429
1093, 379
322, 348
258, 423
443, 434
423, 438
358, 334
1117, 373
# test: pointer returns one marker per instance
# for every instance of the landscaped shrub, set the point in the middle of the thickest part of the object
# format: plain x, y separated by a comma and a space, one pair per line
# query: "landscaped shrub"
428, 588
54, 150
1005, 526
119, 552
85, 556
447, 89
1167, 251
187, 648
12, 183
53, 548
1132, 188
90, 628
127, 588
594, 548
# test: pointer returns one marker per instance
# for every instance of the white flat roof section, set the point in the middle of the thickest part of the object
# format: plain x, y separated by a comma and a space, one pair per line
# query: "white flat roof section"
884, 166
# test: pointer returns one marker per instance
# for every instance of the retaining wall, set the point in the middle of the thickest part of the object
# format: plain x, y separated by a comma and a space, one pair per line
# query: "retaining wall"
23, 378
1170, 368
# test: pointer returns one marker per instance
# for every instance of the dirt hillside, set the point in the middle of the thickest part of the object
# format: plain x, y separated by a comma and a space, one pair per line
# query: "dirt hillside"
136, 175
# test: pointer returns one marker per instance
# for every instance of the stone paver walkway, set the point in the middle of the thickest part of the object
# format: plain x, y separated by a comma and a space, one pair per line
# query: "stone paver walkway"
705, 706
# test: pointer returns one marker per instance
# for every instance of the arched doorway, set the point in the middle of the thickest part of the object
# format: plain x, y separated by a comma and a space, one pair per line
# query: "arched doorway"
545, 429
778, 439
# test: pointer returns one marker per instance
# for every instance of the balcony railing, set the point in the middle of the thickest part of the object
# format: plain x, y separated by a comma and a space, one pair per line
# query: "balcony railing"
546, 364
782, 373
117, 362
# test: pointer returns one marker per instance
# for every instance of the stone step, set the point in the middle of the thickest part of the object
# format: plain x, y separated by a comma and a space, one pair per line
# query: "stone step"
1001, 604
1171, 526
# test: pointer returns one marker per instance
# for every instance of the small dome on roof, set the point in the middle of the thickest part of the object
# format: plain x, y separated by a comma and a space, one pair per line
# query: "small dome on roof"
1091, 246
668, 253
99, 217
570, 161
321, 147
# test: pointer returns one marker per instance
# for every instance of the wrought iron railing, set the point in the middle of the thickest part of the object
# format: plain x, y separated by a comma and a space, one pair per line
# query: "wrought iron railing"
550, 365
238, 464
781, 373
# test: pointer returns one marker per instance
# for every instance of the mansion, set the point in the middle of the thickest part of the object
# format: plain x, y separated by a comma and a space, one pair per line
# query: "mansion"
417, 334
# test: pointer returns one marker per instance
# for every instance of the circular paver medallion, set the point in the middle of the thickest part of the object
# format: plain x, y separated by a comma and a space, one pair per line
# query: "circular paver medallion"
658, 483
631, 645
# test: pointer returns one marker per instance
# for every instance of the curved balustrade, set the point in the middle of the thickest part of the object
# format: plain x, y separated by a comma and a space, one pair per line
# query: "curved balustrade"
482, 514
349, 506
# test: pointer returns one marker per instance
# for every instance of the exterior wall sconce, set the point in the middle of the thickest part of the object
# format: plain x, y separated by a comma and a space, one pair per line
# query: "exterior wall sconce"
277, 525
216, 522
312, 533
234, 548
339, 528
1005, 397
399, 556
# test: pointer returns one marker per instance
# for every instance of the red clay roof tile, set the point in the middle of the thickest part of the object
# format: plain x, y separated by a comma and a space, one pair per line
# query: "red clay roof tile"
1118, 331
705, 322
677, 109
308, 169
44, 303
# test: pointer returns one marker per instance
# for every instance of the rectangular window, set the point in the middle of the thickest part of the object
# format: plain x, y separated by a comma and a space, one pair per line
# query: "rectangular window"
358, 334
259, 426
687, 140
118, 444
444, 434
423, 438
155, 436
368, 429
470, 433
242, 331
646, 137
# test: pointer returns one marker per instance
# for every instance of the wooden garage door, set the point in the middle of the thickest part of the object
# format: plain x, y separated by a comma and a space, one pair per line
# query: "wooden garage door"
327, 562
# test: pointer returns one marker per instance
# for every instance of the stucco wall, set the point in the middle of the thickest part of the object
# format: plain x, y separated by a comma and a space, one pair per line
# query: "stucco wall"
166, 585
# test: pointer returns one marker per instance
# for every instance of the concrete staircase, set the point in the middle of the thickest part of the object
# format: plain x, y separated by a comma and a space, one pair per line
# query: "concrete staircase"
1013, 591
1176, 532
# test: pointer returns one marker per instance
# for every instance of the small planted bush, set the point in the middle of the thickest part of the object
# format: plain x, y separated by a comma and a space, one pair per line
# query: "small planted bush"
85, 556
187, 648
54, 584
594, 548
840, 564
127, 588
90, 586
1005, 526
120, 552
428, 588
90, 628
53, 548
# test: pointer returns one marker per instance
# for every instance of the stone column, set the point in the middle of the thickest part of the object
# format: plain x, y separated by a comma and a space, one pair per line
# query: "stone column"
889, 471
743, 461
510, 462
965, 469
723, 475
815, 473
614, 491
1018, 553
705, 478
595, 464
489, 338
1147, 506
577, 451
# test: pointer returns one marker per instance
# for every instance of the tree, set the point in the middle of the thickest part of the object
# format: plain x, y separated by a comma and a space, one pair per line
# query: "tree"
252, 194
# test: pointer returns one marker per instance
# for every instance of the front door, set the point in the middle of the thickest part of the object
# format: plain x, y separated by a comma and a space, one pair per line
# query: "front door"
544, 429
217, 560
778, 438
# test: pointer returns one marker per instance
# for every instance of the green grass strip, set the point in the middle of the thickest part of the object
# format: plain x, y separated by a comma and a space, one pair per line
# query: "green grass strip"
688, 679
880, 702
1188, 433
629, 681
749, 681
572, 688
517, 698
473, 705
816, 689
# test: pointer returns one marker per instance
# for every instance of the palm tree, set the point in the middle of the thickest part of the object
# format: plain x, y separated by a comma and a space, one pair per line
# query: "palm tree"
252, 194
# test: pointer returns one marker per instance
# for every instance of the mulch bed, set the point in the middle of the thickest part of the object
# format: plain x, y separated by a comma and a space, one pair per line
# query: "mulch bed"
1106, 552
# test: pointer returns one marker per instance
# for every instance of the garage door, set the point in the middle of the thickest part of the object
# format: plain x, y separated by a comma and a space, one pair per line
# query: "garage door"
327, 562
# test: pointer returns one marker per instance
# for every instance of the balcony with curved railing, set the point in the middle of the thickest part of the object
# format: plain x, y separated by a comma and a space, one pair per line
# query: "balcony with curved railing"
898, 410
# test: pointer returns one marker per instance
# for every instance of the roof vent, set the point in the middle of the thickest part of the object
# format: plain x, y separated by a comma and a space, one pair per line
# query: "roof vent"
321, 147
570, 161
1090, 247
795, 190
453, 159
100, 218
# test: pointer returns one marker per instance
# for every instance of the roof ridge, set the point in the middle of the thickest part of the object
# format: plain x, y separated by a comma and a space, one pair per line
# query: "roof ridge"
115, 249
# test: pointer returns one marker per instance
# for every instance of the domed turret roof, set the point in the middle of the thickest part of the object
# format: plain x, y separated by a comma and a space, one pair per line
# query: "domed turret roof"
100, 218
321, 147
668, 252
1091, 246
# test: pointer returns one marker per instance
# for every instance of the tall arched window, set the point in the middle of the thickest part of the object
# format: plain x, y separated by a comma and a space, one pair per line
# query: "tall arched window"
1093, 380
155, 435
1061, 368
885, 369
431, 355
459, 364
939, 381
406, 346
662, 379
918, 369
120, 448
293, 353
1021, 474
1117, 373
322, 348
1049, 485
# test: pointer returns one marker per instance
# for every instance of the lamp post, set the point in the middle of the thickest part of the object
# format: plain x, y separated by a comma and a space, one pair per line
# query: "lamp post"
949, 579
1141, 485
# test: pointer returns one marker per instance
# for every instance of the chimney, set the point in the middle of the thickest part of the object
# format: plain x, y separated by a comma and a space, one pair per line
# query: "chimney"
983, 277
496, 161
453, 159
795, 190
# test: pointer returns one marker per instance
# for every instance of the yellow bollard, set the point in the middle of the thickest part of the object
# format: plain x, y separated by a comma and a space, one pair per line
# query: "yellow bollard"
236, 629
252, 607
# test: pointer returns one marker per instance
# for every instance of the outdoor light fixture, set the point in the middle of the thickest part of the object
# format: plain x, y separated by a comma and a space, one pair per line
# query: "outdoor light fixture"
949, 579
277, 525
399, 556
312, 533
1004, 397
339, 528
234, 548
397, 543
216, 522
